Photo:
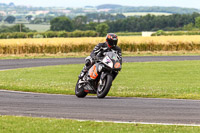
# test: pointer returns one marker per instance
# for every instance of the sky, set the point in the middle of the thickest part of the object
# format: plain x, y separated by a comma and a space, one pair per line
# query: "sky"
82, 3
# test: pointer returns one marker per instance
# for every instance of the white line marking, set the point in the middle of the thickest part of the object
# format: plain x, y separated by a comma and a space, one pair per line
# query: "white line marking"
146, 123
6, 69
35, 93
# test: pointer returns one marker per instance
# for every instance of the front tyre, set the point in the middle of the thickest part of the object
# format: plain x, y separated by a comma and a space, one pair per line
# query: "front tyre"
103, 89
79, 90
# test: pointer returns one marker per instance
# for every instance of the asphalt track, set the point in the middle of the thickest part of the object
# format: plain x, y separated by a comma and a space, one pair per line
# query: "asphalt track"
21, 63
146, 110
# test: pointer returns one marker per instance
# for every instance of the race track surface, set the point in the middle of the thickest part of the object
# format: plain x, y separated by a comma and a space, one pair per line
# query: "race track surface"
90, 108
21, 63
108, 109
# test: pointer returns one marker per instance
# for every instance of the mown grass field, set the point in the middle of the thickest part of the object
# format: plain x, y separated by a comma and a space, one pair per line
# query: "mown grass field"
144, 13
12, 124
37, 27
178, 80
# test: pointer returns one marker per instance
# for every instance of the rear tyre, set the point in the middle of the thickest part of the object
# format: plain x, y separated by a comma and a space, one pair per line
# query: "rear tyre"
103, 90
79, 91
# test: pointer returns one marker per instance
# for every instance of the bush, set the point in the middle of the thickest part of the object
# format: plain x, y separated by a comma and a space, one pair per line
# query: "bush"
48, 34
175, 33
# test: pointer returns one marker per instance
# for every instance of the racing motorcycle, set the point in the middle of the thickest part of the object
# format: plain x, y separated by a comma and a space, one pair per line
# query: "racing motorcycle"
98, 80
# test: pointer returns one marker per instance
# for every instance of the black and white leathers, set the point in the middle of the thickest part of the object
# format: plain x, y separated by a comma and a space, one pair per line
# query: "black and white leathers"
103, 47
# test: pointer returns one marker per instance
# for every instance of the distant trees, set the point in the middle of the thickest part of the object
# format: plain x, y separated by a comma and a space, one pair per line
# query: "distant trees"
80, 22
129, 24
102, 29
189, 27
152, 23
29, 17
10, 19
61, 24
197, 22
37, 21
103, 16
1, 18
20, 28
15, 28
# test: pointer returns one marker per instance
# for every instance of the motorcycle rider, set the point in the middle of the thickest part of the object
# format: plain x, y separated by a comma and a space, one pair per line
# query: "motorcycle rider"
97, 53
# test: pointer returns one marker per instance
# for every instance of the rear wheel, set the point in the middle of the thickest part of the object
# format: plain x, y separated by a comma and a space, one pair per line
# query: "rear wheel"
79, 90
104, 87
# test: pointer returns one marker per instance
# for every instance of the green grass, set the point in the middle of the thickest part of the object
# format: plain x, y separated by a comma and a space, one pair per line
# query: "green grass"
85, 54
43, 56
37, 27
178, 79
12, 124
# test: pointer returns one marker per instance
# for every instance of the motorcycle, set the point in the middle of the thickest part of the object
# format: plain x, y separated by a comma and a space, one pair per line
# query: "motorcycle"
98, 80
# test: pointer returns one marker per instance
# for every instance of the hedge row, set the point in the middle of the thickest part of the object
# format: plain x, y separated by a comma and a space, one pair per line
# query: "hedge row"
129, 33
48, 34
175, 33
53, 49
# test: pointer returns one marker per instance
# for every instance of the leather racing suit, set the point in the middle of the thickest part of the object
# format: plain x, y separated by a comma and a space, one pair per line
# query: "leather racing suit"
98, 53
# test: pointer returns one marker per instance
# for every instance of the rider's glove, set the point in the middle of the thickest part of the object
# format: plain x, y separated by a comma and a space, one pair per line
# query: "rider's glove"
95, 58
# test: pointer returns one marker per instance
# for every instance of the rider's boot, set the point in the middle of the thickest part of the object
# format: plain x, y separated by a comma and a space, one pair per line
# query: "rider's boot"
83, 72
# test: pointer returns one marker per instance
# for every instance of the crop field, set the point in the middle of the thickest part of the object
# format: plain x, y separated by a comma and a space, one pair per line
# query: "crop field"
86, 44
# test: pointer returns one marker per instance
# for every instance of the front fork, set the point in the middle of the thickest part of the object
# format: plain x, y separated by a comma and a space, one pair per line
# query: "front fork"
101, 78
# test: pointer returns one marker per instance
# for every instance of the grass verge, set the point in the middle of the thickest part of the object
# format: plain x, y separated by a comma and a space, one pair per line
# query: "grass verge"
12, 124
178, 80
85, 54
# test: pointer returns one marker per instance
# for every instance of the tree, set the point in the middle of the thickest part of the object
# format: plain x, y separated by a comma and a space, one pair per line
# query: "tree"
15, 28
91, 26
29, 17
61, 24
10, 19
102, 29
20, 28
37, 21
1, 18
80, 22
197, 22
189, 27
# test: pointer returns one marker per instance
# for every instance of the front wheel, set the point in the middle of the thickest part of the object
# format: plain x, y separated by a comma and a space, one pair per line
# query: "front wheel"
105, 86
79, 90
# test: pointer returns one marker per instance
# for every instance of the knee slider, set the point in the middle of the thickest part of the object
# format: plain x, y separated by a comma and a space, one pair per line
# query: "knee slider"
87, 62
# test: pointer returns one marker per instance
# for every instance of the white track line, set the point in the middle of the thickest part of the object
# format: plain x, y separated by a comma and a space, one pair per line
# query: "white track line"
6, 69
23, 92
146, 123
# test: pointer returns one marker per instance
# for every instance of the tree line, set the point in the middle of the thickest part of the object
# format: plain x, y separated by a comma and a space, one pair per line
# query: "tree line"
130, 24
153, 23
122, 24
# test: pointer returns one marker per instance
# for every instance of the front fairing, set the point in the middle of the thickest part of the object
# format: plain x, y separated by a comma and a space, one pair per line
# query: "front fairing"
111, 60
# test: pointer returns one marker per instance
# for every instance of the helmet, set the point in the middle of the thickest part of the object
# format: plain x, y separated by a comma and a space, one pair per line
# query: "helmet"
111, 40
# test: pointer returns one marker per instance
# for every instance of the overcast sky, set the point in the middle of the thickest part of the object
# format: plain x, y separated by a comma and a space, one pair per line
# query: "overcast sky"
82, 3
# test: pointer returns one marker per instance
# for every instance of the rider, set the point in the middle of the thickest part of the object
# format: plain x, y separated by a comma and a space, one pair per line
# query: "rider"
109, 45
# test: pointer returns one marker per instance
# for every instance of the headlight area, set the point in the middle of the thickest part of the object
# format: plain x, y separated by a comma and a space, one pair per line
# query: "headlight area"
108, 62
